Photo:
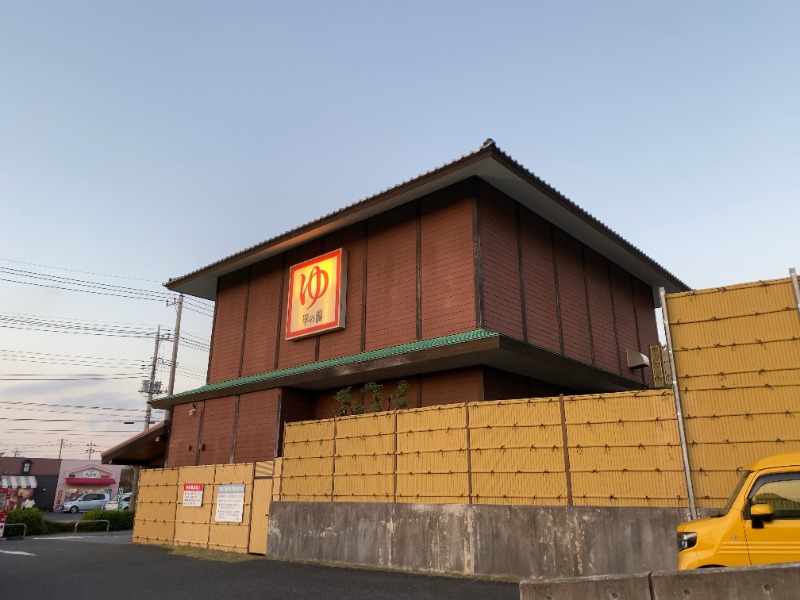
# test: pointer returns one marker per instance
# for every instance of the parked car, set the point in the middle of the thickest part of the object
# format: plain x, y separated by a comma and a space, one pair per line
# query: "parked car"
86, 502
123, 504
760, 523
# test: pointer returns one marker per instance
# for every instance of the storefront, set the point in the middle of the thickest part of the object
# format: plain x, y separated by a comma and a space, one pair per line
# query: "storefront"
85, 477
20, 490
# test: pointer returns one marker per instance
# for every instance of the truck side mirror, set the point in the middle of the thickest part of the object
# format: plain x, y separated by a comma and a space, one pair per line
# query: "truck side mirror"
760, 514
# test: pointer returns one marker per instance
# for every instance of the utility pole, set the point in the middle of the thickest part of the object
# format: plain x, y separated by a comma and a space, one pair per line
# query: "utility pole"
152, 386
60, 447
90, 450
174, 363
151, 391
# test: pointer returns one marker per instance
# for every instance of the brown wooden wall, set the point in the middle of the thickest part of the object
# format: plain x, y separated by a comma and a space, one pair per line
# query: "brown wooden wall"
183, 434
253, 417
545, 287
410, 276
229, 321
256, 426
447, 265
413, 274
216, 434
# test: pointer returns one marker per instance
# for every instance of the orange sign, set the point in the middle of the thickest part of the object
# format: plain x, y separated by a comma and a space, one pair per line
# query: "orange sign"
317, 295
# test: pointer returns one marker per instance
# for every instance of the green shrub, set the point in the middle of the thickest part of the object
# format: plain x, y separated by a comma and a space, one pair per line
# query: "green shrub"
119, 519
32, 517
59, 526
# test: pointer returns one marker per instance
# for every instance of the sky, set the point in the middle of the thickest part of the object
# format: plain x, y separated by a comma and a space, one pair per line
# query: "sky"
140, 141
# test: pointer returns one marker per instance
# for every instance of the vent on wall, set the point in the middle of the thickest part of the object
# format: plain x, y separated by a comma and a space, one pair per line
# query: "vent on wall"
637, 360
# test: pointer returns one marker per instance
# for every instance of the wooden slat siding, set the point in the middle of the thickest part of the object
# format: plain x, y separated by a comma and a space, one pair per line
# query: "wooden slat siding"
226, 352
391, 279
295, 405
293, 353
540, 286
182, 434
450, 387
626, 320
262, 317
447, 266
502, 385
572, 294
217, 433
646, 318
603, 336
256, 426
348, 340
502, 297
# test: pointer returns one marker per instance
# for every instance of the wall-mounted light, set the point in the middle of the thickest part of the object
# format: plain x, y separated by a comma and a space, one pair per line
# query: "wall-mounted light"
192, 409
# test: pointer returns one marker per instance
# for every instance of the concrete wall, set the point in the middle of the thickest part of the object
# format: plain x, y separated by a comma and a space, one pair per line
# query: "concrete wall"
522, 541
772, 582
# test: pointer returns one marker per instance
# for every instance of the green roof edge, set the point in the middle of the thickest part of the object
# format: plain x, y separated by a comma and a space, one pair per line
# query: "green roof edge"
446, 340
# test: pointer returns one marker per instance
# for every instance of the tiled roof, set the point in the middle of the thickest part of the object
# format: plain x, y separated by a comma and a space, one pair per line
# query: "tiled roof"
448, 340
487, 150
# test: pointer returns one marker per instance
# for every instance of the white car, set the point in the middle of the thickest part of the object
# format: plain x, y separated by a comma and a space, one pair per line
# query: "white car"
86, 502
124, 504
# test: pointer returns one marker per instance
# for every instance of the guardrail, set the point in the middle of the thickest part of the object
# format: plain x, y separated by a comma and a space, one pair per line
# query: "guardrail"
106, 521
24, 528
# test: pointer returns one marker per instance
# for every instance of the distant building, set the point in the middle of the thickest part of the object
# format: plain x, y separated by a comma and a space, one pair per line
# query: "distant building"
474, 281
77, 477
49, 482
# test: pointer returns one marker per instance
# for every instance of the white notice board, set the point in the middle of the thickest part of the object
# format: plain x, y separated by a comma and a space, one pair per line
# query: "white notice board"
193, 494
230, 503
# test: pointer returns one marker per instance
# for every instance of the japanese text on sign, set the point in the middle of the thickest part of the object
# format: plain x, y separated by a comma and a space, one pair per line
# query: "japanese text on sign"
230, 503
317, 295
193, 494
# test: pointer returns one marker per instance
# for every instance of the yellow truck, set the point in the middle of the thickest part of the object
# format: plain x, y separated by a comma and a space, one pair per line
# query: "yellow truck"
760, 523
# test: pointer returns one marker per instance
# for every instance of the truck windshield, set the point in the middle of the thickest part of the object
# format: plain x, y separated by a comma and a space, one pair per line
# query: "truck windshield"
734, 494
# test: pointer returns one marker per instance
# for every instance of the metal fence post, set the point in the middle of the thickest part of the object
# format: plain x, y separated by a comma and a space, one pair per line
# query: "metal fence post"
678, 408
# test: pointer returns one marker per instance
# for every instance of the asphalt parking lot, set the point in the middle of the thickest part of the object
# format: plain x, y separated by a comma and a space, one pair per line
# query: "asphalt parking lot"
68, 566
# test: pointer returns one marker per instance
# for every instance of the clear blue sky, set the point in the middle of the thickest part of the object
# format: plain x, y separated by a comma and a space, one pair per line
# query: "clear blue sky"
148, 139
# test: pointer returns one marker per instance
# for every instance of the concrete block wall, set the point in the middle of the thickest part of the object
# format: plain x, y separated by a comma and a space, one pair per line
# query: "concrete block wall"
521, 541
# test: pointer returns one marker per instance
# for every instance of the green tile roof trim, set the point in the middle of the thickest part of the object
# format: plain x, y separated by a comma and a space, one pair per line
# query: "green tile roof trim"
447, 340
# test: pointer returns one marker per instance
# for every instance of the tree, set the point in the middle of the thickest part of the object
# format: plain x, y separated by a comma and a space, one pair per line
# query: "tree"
126, 478
350, 406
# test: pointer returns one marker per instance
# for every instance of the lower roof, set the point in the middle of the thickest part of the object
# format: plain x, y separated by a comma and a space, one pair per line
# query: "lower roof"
145, 449
479, 347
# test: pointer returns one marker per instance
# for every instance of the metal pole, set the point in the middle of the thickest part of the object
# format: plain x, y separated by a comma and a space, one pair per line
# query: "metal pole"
60, 447
151, 387
687, 473
147, 412
174, 362
796, 288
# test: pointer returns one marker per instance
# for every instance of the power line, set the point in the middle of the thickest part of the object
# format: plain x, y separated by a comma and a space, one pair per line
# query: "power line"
120, 414
40, 420
86, 286
65, 359
68, 378
70, 405
19, 262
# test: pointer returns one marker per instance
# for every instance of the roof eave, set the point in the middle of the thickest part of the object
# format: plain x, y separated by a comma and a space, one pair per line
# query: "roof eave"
488, 163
